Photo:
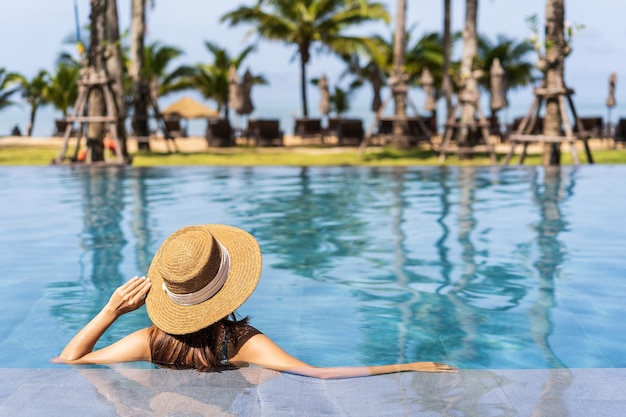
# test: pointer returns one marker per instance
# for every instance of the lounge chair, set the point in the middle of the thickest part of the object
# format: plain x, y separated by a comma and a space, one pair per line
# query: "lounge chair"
265, 132
309, 128
219, 133
513, 127
333, 126
350, 132
593, 127
59, 128
620, 132
173, 127
419, 128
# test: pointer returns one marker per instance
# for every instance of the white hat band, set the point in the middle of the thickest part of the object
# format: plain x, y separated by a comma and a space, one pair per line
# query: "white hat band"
208, 290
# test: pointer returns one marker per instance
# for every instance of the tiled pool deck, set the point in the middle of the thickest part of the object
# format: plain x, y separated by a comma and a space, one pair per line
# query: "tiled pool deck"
258, 392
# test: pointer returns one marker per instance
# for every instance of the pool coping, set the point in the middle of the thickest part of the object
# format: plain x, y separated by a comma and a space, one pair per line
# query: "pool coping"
106, 391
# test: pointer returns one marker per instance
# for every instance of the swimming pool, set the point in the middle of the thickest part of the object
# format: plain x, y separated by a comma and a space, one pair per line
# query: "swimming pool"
483, 268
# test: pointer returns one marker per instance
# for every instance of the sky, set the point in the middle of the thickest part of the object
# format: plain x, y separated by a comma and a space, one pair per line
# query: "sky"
33, 32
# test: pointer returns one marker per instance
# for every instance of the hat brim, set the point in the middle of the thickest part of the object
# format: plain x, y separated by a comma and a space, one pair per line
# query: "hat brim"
245, 271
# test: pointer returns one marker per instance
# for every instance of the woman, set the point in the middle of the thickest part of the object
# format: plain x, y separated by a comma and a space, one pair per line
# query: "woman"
199, 276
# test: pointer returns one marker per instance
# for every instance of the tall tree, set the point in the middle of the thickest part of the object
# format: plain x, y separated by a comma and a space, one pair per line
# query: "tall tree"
140, 91
97, 107
398, 76
34, 91
512, 56
63, 86
469, 85
115, 69
307, 23
211, 80
7, 79
157, 71
446, 83
555, 60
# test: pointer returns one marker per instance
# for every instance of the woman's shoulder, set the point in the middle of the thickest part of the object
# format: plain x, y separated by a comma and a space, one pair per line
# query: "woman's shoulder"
243, 331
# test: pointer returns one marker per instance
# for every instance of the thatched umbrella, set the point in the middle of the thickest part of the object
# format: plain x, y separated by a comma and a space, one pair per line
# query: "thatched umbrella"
322, 83
188, 108
246, 93
428, 81
235, 101
498, 93
610, 101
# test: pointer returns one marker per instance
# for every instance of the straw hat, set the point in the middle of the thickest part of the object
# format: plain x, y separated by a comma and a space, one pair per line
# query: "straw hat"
201, 274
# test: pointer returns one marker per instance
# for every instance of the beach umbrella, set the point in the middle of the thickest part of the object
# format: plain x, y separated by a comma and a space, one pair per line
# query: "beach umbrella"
188, 108
322, 83
246, 93
610, 101
498, 93
428, 81
235, 101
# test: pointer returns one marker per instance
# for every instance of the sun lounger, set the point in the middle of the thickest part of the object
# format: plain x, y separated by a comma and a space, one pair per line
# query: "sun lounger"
174, 128
419, 128
59, 128
309, 128
219, 133
620, 132
350, 132
265, 132
592, 126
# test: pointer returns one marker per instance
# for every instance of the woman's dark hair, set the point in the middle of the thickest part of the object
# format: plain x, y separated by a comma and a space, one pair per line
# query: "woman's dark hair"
201, 350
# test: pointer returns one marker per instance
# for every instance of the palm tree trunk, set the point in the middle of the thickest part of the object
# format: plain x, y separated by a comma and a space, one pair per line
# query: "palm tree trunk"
95, 131
31, 122
469, 93
140, 93
555, 18
304, 58
115, 70
446, 84
400, 125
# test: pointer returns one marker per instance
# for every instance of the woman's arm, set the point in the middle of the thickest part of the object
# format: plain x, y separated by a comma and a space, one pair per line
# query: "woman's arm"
126, 298
262, 351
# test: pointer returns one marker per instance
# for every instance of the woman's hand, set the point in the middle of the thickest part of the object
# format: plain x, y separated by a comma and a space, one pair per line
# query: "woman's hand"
430, 367
129, 296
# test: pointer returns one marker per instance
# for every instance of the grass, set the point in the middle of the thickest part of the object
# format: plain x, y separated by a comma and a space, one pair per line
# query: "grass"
248, 156
27, 155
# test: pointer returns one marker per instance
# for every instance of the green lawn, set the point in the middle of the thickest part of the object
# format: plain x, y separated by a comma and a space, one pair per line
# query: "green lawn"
244, 156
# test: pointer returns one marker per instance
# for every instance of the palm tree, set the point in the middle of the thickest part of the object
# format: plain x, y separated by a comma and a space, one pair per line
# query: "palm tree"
446, 44
512, 56
139, 87
307, 23
426, 52
115, 70
340, 97
96, 106
369, 72
469, 86
156, 69
211, 80
62, 90
6, 80
34, 91
555, 67
157, 80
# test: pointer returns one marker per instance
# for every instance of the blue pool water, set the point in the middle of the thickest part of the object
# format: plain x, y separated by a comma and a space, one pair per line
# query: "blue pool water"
481, 268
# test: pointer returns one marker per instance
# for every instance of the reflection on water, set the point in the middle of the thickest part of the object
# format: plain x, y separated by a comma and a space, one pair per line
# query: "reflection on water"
469, 266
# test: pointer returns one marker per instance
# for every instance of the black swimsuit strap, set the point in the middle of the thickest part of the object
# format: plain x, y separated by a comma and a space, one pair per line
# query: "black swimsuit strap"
224, 359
